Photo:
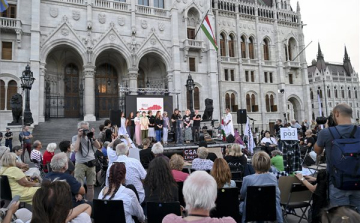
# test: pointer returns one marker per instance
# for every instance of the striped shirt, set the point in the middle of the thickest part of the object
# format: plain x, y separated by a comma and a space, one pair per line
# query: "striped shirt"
36, 155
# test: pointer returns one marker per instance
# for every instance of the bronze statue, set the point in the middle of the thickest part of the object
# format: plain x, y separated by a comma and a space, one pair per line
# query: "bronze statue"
209, 108
16, 107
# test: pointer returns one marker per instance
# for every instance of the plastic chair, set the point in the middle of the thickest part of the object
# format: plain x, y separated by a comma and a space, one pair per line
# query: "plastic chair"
108, 211
227, 204
156, 211
260, 203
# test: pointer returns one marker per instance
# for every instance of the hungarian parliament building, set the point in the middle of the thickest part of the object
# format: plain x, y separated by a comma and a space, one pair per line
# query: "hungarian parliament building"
88, 55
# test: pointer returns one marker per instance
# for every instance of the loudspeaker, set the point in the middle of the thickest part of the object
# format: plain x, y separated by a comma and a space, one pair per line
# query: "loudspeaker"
115, 117
241, 116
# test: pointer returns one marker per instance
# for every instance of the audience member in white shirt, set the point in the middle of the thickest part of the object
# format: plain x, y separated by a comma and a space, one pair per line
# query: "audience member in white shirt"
135, 172
268, 143
201, 163
116, 191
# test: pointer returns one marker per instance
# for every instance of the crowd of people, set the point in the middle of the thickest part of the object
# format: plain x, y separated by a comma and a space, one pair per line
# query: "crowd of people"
61, 186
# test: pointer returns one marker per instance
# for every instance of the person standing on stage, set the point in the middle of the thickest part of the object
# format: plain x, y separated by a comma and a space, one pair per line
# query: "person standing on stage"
151, 132
229, 128
137, 128
179, 128
166, 127
144, 121
187, 126
122, 129
196, 126
130, 125
173, 122
158, 126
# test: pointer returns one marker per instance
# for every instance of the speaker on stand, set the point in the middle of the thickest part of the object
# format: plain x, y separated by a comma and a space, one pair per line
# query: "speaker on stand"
241, 118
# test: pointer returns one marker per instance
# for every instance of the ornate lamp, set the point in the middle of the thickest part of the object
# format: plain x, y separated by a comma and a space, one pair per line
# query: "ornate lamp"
190, 88
27, 80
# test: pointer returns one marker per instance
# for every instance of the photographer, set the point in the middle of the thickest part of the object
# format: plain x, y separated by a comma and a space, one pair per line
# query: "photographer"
327, 138
84, 144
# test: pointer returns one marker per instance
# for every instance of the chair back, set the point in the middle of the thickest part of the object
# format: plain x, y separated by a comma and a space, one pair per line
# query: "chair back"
156, 211
5, 190
236, 175
108, 211
180, 193
299, 193
227, 204
264, 210
285, 184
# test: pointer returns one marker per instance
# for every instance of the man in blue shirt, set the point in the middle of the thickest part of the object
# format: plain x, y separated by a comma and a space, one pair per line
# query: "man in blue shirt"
25, 136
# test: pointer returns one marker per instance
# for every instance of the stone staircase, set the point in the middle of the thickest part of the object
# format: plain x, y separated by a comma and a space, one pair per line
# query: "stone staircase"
59, 129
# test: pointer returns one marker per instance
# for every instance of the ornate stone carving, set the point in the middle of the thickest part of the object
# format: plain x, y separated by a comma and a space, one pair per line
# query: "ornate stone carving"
153, 41
65, 31
121, 21
76, 15
54, 12
161, 26
112, 37
65, 18
102, 18
16, 107
144, 24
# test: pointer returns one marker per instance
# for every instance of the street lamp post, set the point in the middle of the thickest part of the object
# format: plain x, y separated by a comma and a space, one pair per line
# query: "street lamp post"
27, 81
190, 88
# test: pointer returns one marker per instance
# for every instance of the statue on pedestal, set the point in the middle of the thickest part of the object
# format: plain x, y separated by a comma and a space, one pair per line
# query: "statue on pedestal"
16, 107
209, 108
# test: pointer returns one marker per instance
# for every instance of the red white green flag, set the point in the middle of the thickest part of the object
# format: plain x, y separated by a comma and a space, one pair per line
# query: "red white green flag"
206, 27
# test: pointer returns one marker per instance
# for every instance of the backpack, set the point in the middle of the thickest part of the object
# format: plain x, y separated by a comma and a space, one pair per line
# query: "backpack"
344, 169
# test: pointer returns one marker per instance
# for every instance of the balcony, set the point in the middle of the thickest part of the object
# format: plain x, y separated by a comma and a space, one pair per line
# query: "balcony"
12, 25
152, 11
194, 44
120, 6
292, 64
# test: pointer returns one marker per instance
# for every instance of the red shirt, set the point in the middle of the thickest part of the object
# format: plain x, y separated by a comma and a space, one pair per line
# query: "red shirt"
179, 176
47, 159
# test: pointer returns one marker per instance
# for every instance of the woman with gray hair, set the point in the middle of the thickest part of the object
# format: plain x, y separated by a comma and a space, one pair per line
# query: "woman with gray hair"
59, 164
200, 192
201, 163
158, 150
48, 155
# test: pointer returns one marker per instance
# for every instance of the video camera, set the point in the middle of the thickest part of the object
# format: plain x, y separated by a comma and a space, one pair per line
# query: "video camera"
322, 120
88, 133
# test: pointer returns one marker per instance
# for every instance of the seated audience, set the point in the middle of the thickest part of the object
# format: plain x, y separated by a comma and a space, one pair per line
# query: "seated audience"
19, 184
116, 191
159, 183
49, 207
268, 143
3, 151
111, 151
18, 150
158, 150
221, 173
340, 214
65, 147
36, 156
135, 171
201, 163
48, 155
261, 164
145, 154
59, 165
176, 165
236, 159
277, 160
200, 193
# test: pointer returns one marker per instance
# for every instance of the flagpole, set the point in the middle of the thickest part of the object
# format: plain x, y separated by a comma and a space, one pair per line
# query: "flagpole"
201, 24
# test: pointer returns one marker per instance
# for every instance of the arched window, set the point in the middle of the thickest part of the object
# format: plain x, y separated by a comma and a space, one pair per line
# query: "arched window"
251, 48
159, 3
231, 44
12, 89
233, 103
329, 93
349, 93
270, 103
254, 107
243, 47
266, 49
2, 95
320, 93
196, 98
356, 94
313, 116
336, 93
227, 100
222, 45
248, 103
343, 93
311, 95
267, 101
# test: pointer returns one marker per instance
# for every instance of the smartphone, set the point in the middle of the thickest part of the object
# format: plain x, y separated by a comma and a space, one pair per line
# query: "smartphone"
14, 200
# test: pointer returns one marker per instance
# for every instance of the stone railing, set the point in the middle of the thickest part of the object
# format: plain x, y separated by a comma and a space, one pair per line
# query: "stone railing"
120, 6
77, 2
9, 23
152, 11
194, 44
269, 63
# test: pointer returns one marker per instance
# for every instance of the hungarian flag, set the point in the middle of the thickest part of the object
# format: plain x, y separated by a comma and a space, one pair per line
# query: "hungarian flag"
206, 27
3, 5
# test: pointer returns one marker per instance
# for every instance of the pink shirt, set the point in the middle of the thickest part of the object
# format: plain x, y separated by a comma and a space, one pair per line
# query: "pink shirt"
179, 176
171, 218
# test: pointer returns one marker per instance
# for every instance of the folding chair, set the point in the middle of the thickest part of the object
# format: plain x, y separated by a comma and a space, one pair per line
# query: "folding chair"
156, 211
294, 195
227, 204
5, 190
181, 196
108, 211
260, 203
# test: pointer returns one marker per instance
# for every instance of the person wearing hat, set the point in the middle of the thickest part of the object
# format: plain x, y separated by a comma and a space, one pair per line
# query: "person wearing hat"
8, 139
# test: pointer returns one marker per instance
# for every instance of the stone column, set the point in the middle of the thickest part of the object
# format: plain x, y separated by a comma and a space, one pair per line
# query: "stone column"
133, 75
89, 93
42, 93
6, 97
169, 78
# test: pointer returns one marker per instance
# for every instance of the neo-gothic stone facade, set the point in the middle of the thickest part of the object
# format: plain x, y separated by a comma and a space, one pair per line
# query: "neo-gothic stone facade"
114, 45
340, 81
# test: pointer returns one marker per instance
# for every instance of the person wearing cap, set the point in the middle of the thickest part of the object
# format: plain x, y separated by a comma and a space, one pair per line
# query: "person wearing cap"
8, 139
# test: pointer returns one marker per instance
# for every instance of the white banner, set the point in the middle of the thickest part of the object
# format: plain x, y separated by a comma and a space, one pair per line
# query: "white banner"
288, 134
249, 135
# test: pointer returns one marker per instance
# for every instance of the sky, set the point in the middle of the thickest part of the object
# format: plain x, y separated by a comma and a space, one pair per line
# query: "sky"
334, 24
